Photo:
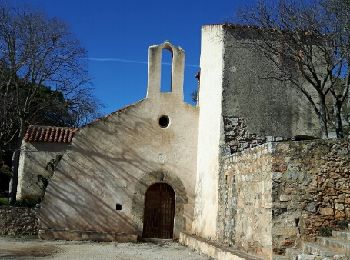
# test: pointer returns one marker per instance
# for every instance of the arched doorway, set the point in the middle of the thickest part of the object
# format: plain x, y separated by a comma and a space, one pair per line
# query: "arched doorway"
158, 221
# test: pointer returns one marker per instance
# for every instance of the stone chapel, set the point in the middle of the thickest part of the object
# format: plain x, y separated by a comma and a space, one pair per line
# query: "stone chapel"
229, 170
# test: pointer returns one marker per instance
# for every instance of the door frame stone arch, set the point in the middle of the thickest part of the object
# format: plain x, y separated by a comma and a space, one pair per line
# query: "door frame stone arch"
138, 200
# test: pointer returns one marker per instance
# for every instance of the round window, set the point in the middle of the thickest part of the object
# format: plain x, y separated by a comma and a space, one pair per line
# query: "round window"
163, 121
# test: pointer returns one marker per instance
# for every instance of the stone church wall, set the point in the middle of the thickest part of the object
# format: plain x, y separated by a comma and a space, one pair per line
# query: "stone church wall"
33, 173
267, 106
99, 185
311, 190
275, 195
209, 133
239, 109
245, 199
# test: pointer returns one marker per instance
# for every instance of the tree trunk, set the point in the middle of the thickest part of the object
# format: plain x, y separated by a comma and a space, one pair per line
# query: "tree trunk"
338, 119
322, 117
15, 162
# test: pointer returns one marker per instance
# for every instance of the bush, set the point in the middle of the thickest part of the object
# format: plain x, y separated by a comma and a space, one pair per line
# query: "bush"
325, 231
342, 224
4, 201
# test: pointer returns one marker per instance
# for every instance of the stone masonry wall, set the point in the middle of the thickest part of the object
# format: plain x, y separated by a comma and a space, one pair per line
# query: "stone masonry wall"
245, 192
275, 195
311, 190
18, 221
237, 137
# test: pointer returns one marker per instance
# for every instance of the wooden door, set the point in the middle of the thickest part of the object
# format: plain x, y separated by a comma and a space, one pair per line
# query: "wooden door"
159, 212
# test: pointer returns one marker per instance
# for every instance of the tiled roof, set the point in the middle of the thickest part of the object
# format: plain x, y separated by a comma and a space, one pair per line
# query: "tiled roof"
50, 134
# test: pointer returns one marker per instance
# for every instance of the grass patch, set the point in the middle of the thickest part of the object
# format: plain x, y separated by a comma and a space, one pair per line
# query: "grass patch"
4, 201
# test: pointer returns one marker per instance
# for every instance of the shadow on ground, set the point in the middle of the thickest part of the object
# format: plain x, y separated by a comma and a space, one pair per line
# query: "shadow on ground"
26, 251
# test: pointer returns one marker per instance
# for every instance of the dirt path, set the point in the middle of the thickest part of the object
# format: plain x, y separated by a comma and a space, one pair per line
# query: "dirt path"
15, 248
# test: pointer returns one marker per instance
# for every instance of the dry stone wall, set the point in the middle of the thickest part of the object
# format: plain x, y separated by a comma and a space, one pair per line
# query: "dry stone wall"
311, 190
18, 221
245, 192
275, 195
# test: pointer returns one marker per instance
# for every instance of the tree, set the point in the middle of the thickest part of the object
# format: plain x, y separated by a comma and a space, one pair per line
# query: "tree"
43, 78
308, 43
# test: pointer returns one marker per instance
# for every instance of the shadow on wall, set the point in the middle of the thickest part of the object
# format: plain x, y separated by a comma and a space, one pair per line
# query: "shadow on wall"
105, 167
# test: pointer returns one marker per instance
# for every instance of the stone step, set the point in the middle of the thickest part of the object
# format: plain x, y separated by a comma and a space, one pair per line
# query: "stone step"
317, 250
280, 257
341, 246
314, 257
307, 257
341, 234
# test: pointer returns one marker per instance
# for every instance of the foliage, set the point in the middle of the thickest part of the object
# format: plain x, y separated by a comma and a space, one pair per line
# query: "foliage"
308, 43
343, 224
4, 201
6, 170
325, 231
43, 77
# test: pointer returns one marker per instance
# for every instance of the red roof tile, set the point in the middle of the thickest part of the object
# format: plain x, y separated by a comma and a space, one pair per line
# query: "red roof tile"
50, 134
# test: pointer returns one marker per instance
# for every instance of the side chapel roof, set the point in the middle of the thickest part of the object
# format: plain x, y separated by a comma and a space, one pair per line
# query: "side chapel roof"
50, 134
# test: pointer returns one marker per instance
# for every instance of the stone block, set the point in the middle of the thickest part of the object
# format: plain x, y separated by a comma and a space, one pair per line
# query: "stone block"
339, 206
339, 214
326, 211
284, 197
285, 231
347, 212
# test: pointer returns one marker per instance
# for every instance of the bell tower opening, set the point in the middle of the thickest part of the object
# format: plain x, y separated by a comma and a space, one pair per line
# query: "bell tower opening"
166, 65
166, 75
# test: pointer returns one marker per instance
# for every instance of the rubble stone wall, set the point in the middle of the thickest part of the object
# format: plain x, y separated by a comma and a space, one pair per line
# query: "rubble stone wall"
311, 190
18, 221
245, 193
237, 137
275, 195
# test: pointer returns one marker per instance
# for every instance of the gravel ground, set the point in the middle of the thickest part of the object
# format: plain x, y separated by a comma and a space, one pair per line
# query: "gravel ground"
26, 248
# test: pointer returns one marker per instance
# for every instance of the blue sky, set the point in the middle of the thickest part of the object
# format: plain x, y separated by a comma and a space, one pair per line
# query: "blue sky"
117, 34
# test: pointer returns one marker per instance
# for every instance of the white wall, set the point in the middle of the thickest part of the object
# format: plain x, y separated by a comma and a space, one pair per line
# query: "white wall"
33, 160
209, 131
115, 160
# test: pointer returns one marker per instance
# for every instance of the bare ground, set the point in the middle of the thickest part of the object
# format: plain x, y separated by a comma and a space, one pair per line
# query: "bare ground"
26, 248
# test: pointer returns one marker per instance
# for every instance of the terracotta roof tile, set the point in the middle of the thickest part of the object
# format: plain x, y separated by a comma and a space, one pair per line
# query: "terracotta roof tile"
50, 134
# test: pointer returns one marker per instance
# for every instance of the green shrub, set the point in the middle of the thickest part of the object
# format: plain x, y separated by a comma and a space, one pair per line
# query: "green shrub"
342, 224
4, 201
27, 203
325, 231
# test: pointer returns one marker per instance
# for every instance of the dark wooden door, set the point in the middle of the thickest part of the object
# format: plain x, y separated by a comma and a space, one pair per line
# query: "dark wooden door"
159, 212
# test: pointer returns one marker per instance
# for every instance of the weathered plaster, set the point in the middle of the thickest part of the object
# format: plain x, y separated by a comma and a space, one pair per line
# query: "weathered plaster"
31, 171
209, 132
114, 160
269, 107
